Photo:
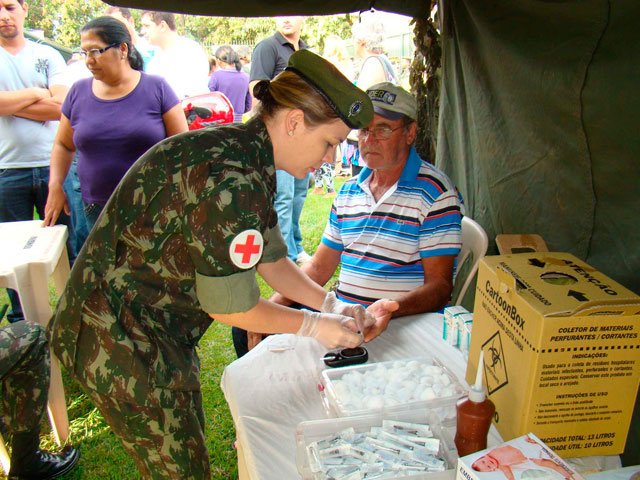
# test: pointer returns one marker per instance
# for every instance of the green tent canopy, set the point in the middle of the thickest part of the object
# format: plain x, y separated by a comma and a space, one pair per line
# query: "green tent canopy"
539, 114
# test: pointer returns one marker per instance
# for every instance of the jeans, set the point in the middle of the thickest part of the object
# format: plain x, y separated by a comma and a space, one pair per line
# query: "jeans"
290, 196
91, 213
21, 191
71, 188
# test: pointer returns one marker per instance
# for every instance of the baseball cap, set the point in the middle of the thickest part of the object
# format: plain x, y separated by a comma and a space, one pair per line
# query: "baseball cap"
392, 102
351, 104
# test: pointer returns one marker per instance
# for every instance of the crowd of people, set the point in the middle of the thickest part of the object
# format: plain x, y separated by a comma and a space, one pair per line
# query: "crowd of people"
177, 223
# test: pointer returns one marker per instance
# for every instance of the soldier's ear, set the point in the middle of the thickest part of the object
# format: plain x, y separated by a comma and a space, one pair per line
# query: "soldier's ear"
294, 120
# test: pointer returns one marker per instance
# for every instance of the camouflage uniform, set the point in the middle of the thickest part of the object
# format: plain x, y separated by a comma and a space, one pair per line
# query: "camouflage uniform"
24, 375
155, 263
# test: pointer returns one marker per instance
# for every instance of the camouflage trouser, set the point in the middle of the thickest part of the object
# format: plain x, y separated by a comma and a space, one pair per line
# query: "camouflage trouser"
24, 375
165, 443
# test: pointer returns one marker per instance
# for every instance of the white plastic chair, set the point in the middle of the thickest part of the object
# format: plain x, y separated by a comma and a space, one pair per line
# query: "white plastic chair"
474, 242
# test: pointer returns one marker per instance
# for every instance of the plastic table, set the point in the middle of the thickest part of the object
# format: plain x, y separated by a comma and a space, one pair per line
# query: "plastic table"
29, 255
275, 387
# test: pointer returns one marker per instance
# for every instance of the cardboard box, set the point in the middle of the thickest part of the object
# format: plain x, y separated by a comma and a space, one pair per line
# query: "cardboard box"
526, 455
561, 351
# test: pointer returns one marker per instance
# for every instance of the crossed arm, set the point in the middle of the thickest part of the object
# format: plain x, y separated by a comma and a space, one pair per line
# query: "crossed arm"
40, 104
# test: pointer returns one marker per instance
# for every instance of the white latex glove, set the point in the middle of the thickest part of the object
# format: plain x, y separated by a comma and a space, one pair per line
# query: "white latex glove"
329, 329
363, 319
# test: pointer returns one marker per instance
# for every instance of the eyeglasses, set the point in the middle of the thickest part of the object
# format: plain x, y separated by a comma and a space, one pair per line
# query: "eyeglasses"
379, 133
95, 52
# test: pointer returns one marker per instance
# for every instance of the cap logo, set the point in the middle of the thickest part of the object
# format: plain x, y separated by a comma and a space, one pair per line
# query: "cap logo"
382, 96
355, 108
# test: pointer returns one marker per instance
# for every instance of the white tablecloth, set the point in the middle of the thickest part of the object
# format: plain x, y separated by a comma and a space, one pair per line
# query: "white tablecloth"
275, 387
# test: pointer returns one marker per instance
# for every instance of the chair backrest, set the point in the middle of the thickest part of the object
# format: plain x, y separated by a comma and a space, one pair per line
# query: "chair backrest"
474, 242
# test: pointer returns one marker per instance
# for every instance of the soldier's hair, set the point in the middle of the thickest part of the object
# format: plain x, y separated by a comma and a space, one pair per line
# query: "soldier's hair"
125, 12
228, 55
111, 30
157, 17
288, 90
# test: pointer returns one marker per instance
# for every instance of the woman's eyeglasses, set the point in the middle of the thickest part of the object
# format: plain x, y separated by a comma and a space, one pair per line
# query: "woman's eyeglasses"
379, 133
95, 52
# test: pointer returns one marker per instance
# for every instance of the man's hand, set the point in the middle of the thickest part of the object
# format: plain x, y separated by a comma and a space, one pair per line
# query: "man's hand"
381, 312
331, 304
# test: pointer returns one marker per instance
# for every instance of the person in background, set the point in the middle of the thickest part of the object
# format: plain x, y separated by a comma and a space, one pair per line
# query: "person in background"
232, 81
374, 66
181, 61
92, 119
146, 50
395, 229
33, 84
179, 245
213, 65
335, 51
244, 52
24, 382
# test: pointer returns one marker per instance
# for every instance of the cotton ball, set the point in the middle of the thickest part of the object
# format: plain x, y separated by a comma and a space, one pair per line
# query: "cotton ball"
340, 388
418, 390
390, 401
409, 385
413, 365
436, 388
426, 380
445, 380
376, 401
428, 394
447, 391
398, 364
433, 370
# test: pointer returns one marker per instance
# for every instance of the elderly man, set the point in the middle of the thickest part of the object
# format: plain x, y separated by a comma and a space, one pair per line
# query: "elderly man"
395, 228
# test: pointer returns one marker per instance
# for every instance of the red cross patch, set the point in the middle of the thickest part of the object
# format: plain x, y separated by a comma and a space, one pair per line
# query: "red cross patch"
246, 249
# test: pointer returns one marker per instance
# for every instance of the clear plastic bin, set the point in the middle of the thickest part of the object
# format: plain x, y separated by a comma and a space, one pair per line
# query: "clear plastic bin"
444, 407
310, 431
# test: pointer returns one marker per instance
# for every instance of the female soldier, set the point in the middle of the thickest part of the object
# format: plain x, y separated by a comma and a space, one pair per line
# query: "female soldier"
178, 244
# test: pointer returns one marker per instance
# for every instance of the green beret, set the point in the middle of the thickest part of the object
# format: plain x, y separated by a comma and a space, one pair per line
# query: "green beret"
351, 104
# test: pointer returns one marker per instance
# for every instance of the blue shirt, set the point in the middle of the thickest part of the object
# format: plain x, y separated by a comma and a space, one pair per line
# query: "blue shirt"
383, 243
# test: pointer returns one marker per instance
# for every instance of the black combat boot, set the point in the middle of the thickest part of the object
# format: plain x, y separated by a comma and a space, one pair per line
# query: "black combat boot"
28, 462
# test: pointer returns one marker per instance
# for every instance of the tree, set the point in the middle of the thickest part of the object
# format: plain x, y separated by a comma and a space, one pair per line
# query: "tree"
61, 19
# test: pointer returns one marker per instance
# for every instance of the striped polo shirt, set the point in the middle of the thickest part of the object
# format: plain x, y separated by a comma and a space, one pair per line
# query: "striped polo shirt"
382, 243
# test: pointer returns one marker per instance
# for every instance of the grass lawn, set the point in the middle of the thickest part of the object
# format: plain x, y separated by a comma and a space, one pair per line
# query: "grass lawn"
103, 457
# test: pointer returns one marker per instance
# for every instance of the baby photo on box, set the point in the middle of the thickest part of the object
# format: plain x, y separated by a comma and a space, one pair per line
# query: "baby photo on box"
523, 458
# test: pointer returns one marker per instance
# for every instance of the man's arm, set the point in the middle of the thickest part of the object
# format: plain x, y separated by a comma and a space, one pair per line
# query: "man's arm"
47, 108
14, 101
429, 297
263, 65
436, 290
320, 268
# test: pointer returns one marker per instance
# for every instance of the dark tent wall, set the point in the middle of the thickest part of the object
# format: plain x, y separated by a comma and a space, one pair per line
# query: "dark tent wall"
540, 123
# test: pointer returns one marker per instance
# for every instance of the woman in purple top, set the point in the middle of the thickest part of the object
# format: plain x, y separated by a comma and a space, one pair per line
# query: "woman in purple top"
230, 80
111, 119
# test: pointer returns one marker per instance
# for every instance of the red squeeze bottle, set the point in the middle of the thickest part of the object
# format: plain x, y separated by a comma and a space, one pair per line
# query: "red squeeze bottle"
474, 414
